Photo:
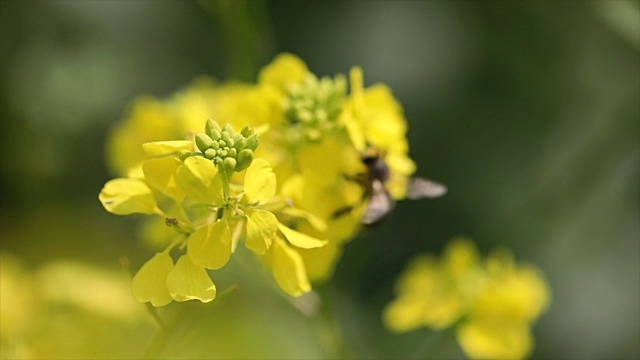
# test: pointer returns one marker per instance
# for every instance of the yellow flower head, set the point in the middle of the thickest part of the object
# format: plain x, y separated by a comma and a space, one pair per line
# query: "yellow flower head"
374, 119
210, 184
192, 186
493, 303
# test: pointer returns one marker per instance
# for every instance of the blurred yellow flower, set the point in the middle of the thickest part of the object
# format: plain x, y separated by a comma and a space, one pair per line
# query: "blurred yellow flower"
492, 304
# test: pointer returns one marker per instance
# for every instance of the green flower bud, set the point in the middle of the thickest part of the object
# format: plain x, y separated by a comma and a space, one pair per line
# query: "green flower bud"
240, 144
210, 154
222, 143
232, 152
225, 137
210, 126
229, 129
214, 134
245, 157
230, 142
229, 164
217, 160
215, 145
252, 142
223, 153
246, 131
184, 154
203, 141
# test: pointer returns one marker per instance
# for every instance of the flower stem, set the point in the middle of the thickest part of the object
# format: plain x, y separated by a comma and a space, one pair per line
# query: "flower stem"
160, 340
329, 329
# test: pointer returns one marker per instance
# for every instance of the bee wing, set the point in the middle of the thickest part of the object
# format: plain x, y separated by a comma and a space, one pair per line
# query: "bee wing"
420, 188
380, 204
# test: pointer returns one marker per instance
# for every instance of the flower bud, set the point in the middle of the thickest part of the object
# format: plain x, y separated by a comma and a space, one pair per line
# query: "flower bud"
246, 131
214, 134
252, 142
210, 154
240, 144
215, 145
229, 164
245, 157
229, 129
232, 152
203, 141
210, 126
225, 137
184, 154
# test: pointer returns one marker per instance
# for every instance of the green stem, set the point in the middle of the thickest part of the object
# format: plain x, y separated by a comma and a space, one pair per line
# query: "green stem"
226, 188
329, 329
246, 32
160, 340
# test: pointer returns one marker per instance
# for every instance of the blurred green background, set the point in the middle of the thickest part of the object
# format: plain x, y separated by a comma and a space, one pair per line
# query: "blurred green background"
528, 111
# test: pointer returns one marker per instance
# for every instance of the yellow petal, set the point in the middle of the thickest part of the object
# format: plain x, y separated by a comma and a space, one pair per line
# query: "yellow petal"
160, 173
262, 227
299, 239
150, 283
495, 340
188, 281
163, 148
259, 182
288, 269
210, 246
285, 69
320, 262
199, 180
313, 220
404, 314
127, 196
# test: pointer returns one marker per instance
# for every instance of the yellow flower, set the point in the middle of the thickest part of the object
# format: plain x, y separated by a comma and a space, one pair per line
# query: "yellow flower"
128, 196
312, 134
493, 304
432, 292
374, 118
202, 203
277, 243
150, 282
188, 281
509, 300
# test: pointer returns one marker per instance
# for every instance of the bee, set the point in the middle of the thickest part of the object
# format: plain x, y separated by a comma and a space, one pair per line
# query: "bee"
374, 181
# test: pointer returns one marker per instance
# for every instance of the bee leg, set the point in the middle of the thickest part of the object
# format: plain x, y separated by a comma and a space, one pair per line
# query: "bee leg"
341, 212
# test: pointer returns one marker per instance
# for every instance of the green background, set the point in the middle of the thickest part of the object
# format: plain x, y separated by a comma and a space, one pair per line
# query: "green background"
528, 111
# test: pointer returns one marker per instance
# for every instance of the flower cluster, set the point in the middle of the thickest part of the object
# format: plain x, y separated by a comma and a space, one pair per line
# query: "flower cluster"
492, 304
194, 190
312, 132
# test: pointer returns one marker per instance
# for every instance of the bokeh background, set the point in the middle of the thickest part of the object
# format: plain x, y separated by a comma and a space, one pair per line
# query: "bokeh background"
528, 111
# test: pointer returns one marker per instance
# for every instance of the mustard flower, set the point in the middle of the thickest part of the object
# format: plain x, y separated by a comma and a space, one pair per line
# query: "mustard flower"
492, 304
313, 132
203, 203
